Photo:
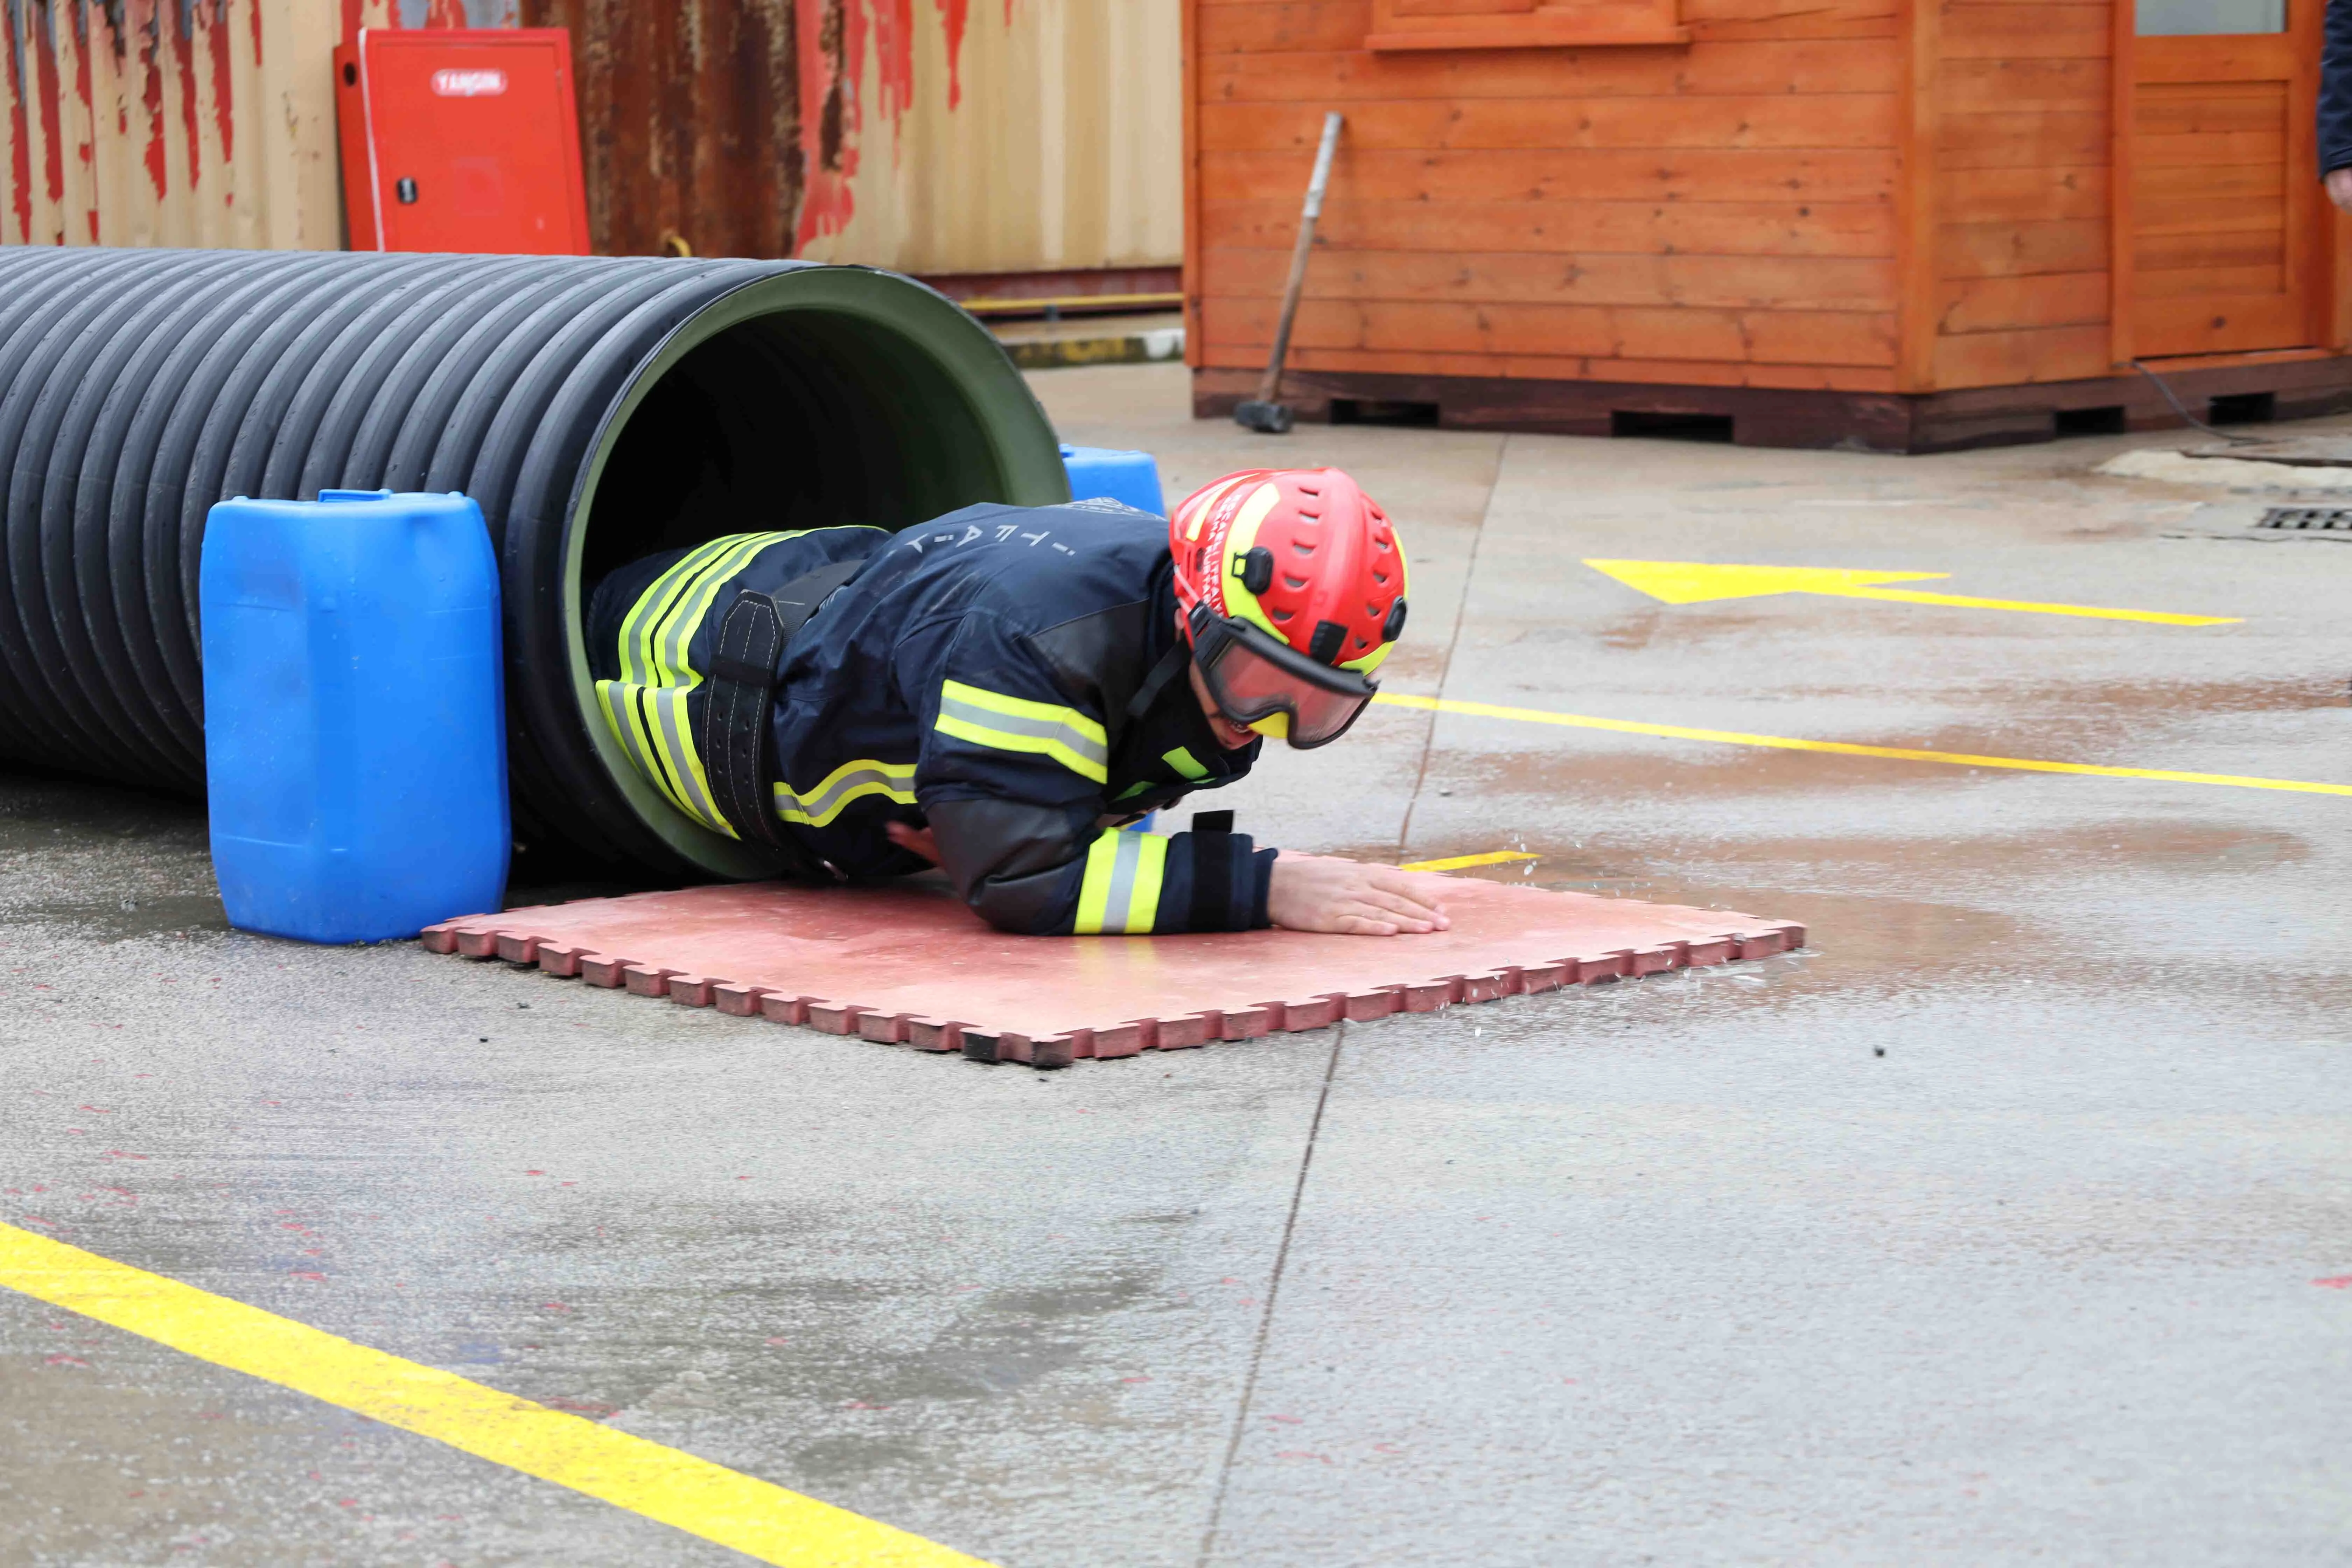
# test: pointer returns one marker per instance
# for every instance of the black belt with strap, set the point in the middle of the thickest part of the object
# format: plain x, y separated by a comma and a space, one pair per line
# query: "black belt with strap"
738, 736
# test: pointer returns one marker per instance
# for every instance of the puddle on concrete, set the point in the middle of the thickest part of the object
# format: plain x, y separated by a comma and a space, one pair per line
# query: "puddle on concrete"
1930, 910
1415, 664
1654, 771
39, 808
1858, 933
128, 918
2128, 845
2258, 694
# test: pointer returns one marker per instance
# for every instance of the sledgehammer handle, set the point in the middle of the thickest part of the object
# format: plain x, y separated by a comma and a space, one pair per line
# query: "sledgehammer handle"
1269, 389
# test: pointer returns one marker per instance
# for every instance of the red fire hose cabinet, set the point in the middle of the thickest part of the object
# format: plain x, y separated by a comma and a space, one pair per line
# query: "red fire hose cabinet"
461, 140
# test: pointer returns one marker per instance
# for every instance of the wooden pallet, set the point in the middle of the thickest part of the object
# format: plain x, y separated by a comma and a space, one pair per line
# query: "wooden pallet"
2282, 388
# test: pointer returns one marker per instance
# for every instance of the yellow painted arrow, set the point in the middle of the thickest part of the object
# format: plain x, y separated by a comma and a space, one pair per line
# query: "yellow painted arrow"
1697, 581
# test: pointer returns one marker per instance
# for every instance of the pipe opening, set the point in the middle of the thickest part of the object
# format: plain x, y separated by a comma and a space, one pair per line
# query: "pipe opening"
813, 399
799, 420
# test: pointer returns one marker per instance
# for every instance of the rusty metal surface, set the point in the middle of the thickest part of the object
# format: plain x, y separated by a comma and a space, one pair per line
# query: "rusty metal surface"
932, 136
1010, 136
690, 121
133, 122
184, 122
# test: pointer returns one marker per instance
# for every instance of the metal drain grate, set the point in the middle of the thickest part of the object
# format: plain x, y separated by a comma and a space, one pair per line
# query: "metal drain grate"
2333, 519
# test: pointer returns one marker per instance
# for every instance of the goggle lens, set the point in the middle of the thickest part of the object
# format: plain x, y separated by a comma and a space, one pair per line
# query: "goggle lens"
1251, 685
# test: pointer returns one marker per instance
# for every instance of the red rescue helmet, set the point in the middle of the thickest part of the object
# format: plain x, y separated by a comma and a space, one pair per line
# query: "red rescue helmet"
1292, 585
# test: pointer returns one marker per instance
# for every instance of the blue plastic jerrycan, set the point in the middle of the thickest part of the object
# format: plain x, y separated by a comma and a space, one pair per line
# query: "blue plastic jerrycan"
354, 714
1129, 477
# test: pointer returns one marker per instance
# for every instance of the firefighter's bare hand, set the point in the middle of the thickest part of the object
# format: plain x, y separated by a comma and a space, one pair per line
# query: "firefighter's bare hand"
915, 840
1317, 892
2340, 188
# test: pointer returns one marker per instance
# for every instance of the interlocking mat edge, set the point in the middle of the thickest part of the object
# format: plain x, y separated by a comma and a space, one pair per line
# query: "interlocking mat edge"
913, 967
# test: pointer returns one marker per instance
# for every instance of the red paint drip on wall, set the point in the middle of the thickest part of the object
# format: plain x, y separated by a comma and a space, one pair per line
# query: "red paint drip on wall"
253, 14
832, 36
956, 15
83, 44
184, 57
20, 145
146, 17
830, 49
53, 129
894, 51
224, 82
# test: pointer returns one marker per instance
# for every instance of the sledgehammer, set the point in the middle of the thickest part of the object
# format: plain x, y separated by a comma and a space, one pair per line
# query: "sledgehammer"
1264, 413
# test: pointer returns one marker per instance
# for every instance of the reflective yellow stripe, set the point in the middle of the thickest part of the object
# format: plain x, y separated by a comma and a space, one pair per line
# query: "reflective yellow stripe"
1119, 894
1006, 724
675, 638
647, 706
1185, 763
850, 781
624, 698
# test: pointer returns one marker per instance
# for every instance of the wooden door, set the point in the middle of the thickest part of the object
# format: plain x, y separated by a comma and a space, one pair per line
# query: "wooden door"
2222, 240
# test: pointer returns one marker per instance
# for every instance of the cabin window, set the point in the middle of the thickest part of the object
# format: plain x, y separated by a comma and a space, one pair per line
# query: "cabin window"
1523, 24
2185, 18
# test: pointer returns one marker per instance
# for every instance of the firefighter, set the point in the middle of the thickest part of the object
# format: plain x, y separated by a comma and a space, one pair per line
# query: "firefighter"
1004, 690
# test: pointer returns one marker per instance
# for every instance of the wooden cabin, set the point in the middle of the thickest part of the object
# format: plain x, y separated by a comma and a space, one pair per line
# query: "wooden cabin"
1900, 224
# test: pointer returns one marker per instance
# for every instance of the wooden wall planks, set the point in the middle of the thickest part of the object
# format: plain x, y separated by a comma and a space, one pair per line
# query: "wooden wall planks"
1861, 195
2022, 191
1720, 211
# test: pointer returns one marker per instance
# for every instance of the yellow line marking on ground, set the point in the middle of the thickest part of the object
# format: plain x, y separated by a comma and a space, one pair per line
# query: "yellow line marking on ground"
1843, 748
1463, 862
2094, 612
1702, 582
751, 1516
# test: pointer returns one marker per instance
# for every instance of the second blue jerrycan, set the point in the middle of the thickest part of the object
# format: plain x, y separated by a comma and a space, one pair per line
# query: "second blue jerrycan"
1129, 477
355, 722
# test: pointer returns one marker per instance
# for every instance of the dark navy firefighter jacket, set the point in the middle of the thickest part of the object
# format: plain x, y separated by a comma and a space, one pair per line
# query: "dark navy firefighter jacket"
976, 675
2335, 89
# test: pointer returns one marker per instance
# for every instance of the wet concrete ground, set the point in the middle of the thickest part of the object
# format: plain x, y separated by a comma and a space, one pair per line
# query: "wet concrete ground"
2011, 1220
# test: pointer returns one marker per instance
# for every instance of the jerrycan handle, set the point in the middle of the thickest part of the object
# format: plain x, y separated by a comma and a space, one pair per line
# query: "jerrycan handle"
354, 495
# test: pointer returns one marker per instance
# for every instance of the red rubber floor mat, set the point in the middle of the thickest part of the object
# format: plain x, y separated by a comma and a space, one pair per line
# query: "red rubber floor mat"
909, 964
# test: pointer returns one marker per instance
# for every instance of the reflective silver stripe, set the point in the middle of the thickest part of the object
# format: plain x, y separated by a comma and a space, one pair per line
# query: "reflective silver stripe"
669, 711
1126, 855
1069, 736
622, 702
845, 783
641, 634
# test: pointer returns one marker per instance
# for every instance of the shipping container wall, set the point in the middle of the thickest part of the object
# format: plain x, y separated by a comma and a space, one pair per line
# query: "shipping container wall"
926, 135
189, 122
1052, 140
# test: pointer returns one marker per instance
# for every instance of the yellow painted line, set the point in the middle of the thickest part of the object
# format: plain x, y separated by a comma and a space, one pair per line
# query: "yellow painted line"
693, 1495
1845, 749
1706, 582
1912, 596
1463, 862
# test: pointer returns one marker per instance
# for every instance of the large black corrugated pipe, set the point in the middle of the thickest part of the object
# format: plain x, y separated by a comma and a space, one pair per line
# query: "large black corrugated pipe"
598, 409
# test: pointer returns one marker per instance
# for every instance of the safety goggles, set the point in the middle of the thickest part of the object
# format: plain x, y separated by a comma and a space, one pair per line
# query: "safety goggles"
1252, 676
